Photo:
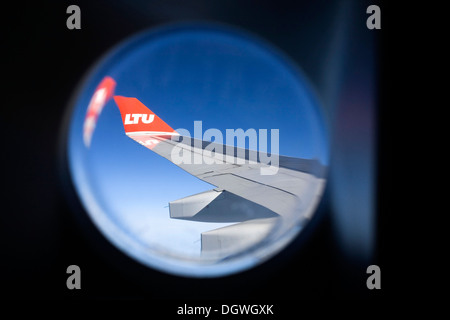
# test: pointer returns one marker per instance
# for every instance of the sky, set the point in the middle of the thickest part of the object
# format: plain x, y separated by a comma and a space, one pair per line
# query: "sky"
226, 80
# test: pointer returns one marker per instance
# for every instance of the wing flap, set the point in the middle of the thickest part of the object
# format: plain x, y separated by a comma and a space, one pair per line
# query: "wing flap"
222, 242
218, 206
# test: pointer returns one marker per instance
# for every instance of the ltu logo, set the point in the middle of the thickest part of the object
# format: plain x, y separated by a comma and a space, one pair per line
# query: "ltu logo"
146, 118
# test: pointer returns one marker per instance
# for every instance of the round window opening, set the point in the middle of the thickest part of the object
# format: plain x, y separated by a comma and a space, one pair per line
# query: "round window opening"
197, 150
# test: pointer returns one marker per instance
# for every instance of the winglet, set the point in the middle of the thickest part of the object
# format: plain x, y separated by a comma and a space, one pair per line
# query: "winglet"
139, 120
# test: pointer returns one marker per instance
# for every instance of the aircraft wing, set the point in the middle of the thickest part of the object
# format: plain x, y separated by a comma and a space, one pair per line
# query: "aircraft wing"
259, 194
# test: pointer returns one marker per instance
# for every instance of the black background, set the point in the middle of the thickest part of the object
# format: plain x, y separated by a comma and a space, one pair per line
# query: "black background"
43, 230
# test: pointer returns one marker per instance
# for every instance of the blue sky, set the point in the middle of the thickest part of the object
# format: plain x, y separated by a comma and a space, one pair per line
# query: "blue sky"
225, 80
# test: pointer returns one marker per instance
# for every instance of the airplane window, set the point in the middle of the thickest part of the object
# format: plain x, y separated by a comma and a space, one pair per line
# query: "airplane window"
146, 172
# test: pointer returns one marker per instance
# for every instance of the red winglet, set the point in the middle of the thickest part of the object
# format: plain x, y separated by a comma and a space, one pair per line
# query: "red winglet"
141, 124
137, 118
